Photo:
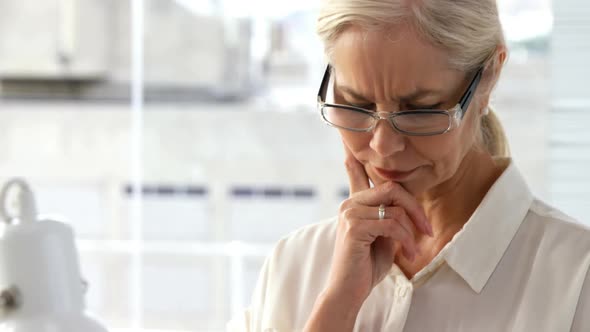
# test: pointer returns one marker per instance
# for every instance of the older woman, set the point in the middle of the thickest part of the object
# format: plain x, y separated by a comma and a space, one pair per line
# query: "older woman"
448, 237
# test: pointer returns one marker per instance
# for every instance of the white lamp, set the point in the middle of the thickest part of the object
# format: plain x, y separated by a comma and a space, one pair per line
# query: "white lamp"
41, 289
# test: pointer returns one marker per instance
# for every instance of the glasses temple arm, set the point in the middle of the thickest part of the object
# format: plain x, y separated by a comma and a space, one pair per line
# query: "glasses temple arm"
324, 84
466, 99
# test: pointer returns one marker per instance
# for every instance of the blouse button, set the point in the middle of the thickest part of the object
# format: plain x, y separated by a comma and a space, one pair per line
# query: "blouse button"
404, 292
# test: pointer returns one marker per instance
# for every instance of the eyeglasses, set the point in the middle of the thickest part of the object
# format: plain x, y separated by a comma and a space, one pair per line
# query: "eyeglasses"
420, 122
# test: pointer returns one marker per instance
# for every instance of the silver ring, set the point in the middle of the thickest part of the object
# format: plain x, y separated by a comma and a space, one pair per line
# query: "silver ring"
381, 211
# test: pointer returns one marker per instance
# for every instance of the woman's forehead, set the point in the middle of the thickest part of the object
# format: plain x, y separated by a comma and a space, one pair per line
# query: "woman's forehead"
397, 60
395, 46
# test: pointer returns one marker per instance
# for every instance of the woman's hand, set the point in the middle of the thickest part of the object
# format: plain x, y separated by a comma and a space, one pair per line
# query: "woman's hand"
366, 246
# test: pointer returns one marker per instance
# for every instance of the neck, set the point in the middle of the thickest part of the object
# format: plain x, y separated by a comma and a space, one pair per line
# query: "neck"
449, 205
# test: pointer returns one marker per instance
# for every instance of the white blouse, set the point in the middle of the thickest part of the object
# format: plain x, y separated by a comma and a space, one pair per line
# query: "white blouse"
517, 265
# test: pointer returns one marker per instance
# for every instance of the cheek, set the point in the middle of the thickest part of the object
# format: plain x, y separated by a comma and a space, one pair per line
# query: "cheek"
436, 148
356, 142
444, 152
448, 147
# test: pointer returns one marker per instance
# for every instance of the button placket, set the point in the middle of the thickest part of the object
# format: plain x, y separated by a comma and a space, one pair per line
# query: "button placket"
404, 291
402, 287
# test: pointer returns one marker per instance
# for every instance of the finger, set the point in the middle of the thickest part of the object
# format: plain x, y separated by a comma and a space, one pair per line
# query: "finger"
400, 215
395, 228
395, 213
372, 212
357, 177
367, 230
393, 194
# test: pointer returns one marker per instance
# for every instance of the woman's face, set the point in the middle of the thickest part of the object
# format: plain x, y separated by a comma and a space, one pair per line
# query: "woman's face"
384, 72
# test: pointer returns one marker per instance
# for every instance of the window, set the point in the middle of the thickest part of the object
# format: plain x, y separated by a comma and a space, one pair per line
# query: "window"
179, 190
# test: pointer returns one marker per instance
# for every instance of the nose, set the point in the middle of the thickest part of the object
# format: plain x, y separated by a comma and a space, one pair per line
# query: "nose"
386, 140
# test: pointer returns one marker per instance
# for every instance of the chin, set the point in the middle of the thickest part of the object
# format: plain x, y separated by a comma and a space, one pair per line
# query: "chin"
415, 186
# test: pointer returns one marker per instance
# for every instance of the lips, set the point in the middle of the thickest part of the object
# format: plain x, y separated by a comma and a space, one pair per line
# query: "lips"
394, 175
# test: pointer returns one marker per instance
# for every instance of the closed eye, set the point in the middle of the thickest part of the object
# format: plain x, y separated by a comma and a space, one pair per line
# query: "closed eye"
365, 106
424, 107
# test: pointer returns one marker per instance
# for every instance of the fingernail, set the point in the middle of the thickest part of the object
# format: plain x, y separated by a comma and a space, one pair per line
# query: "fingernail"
429, 228
418, 250
407, 254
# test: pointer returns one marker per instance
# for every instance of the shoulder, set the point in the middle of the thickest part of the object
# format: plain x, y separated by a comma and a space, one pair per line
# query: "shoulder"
316, 234
293, 275
311, 243
567, 251
557, 223
558, 235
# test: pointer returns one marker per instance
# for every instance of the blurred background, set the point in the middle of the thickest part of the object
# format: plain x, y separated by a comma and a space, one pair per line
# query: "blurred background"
180, 137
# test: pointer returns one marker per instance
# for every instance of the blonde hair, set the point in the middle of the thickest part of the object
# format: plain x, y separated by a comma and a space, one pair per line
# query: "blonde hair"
469, 30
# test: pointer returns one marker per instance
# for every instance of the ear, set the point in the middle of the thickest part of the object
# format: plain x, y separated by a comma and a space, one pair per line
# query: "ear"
498, 60
492, 71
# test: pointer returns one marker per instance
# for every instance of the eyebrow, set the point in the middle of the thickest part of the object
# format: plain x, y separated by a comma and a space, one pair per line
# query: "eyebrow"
420, 93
